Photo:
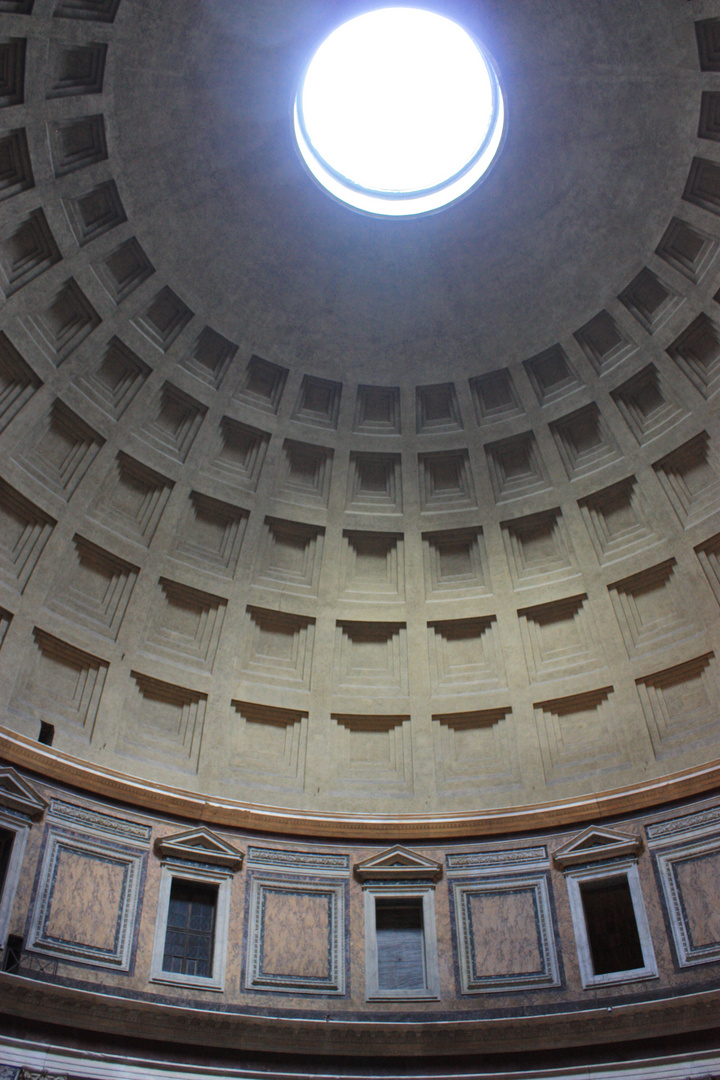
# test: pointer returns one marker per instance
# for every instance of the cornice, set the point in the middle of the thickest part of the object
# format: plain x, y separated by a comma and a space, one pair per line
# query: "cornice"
362, 1038
87, 776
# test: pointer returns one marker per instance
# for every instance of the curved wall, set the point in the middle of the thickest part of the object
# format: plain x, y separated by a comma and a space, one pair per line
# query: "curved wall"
294, 937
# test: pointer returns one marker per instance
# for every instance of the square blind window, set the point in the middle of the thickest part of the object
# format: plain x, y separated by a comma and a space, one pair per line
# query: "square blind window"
400, 943
611, 926
190, 935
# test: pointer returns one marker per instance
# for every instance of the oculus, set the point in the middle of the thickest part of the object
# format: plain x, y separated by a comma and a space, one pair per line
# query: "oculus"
399, 112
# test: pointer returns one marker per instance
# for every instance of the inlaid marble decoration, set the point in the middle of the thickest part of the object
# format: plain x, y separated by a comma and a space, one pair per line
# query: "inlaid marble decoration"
29, 1074
690, 876
298, 862
472, 862
505, 935
87, 902
296, 937
689, 826
99, 824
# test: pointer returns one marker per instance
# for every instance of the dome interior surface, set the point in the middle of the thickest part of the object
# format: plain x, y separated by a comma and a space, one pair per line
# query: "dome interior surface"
307, 509
601, 117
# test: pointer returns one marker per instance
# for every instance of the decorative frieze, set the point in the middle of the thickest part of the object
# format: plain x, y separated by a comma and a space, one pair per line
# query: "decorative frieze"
500, 861
298, 862
94, 823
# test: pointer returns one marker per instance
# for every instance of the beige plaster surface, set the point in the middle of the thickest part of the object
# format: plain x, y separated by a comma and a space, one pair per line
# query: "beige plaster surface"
342, 516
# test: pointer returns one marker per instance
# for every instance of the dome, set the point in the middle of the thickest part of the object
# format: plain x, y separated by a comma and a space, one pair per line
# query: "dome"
325, 524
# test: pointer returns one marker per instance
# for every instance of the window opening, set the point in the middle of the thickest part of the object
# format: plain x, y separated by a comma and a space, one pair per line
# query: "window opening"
6, 846
47, 733
13, 954
400, 943
611, 926
190, 935
399, 112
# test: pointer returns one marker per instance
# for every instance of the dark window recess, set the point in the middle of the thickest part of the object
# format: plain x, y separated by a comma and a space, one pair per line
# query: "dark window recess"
611, 926
190, 928
13, 953
47, 733
400, 943
6, 846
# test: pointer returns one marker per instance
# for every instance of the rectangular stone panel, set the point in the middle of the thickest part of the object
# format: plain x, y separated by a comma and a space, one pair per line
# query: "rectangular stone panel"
505, 935
690, 876
87, 902
580, 736
61, 685
296, 937
162, 722
267, 746
373, 755
24, 531
370, 654
680, 704
465, 655
377, 410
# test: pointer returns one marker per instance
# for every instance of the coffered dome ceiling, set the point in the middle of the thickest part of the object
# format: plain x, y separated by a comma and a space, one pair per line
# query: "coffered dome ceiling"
601, 133
307, 509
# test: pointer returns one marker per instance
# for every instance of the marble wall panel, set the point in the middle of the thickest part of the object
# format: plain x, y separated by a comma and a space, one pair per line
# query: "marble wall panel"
296, 937
87, 902
505, 935
690, 876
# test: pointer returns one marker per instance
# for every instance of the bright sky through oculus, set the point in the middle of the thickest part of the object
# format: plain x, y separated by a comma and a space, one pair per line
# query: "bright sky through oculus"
400, 112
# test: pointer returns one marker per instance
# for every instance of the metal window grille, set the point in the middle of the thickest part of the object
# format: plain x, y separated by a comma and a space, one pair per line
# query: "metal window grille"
190, 932
400, 943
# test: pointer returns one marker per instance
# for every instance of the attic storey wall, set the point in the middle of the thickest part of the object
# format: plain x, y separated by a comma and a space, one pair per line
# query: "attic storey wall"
295, 938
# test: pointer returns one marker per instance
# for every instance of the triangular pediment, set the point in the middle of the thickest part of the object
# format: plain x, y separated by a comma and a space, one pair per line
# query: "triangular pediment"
596, 844
17, 794
398, 864
200, 845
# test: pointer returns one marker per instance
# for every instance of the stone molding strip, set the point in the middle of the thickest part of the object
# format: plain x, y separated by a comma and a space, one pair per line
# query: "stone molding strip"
86, 776
298, 862
474, 862
96, 823
118, 1015
16, 1053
